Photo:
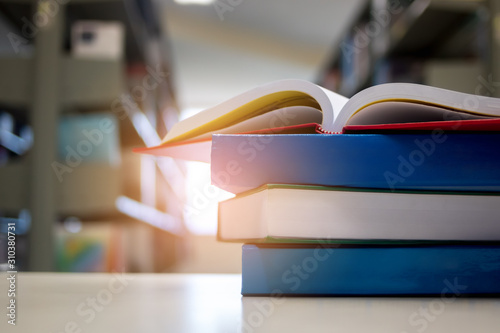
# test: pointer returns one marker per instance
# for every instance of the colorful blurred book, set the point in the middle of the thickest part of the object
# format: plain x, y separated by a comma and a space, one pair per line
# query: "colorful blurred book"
90, 247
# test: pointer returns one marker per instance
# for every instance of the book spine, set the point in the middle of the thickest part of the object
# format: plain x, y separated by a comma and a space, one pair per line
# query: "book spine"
321, 130
363, 271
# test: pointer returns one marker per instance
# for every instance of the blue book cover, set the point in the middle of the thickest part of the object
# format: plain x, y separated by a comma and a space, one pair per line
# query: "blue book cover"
426, 161
322, 270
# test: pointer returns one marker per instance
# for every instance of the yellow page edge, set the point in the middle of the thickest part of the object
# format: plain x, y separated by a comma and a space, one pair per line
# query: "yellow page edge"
256, 107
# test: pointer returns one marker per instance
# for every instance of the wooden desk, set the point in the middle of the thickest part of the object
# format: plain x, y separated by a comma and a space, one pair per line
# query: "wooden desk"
54, 303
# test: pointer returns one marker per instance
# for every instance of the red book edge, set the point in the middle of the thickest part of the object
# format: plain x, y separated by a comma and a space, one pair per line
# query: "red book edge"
471, 125
199, 149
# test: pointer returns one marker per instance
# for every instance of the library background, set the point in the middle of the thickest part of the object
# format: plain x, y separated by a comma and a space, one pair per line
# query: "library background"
85, 81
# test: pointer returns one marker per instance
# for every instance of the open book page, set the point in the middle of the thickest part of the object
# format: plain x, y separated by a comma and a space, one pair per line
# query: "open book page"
405, 112
293, 119
265, 98
451, 101
284, 117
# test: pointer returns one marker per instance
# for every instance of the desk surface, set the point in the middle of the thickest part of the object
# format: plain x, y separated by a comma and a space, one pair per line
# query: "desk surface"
51, 302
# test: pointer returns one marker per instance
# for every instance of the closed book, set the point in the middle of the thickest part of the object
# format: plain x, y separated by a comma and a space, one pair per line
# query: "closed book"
432, 161
448, 271
320, 212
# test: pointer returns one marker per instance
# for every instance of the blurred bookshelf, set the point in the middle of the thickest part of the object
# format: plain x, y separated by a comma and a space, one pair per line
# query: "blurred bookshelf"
90, 204
441, 43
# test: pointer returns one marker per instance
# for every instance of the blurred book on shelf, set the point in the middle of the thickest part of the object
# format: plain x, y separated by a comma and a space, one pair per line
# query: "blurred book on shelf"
90, 247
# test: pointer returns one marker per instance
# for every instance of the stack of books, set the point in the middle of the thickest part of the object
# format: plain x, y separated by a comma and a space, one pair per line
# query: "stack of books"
392, 192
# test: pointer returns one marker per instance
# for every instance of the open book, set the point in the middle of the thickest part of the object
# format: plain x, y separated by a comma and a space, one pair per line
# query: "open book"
298, 106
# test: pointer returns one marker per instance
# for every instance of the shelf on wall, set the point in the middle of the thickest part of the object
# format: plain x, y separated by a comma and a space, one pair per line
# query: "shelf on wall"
417, 31
14, 189
15, 83
84, 82
74, 196
78, 196
98, 83
78, 85
426, 26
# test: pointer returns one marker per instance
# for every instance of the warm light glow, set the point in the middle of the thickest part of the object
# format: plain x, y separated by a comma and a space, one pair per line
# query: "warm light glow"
202, 199
148, 180
145, 129
189, 112
200, 212
148, 214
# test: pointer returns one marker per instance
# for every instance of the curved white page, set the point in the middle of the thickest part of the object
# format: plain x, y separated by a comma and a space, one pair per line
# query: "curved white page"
330, 103
411, 92
288, 116
393, 112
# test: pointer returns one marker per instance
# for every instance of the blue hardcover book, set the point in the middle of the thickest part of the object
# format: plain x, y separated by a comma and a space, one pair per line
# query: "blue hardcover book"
425, 161
445, 270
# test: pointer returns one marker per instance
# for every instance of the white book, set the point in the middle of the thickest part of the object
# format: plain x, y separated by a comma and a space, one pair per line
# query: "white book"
317, 212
